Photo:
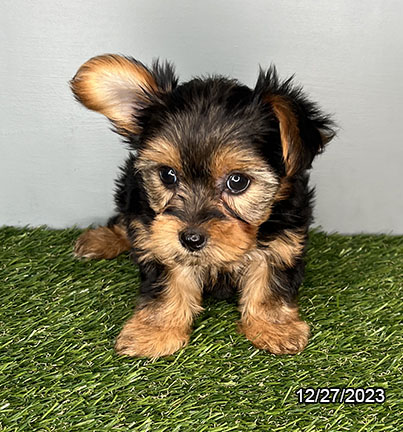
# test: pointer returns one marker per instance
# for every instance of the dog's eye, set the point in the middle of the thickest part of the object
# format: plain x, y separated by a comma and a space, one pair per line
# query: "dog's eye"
168, 176
237, 183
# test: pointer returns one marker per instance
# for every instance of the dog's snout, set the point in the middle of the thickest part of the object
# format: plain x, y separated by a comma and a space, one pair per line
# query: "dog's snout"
192, 239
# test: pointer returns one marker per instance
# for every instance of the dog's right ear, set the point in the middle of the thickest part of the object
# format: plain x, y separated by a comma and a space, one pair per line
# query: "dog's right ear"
120, 87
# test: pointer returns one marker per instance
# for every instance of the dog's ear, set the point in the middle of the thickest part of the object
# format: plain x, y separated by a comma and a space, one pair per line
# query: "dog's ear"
120, 87
304, 129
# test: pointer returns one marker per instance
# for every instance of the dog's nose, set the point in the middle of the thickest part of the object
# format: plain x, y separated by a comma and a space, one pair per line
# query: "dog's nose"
192, 239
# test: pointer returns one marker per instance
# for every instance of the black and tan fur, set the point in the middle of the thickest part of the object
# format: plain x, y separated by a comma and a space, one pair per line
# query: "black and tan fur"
204, 131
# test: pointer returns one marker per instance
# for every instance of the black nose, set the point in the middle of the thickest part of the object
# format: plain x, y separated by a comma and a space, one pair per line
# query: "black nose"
192, 239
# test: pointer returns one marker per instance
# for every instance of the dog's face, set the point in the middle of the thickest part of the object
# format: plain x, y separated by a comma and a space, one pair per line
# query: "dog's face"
206, 177
213, 155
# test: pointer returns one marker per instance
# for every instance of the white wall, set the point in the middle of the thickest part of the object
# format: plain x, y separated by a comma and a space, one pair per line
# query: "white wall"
58, 160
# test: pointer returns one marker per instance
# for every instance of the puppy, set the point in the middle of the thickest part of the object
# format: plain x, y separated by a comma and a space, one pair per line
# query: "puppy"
213, 198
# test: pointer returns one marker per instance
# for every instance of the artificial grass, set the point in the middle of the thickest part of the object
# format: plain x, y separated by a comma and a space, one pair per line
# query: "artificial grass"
59, 318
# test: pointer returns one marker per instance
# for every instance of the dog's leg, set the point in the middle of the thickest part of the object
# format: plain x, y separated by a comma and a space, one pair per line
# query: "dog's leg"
268, 319
162, 326
103, 242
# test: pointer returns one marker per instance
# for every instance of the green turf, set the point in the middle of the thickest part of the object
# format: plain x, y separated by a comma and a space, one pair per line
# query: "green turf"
59, 318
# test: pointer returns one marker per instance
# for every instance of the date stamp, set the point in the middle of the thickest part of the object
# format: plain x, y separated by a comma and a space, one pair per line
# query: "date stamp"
326, 395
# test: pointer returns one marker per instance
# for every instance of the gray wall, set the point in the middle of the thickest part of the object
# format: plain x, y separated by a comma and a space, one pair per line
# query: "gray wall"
58, 160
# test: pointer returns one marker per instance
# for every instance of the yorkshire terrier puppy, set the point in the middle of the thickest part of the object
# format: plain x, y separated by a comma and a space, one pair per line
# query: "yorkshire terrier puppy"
213, 198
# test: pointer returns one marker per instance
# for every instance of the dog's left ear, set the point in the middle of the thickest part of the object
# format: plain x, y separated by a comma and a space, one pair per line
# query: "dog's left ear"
304, 129
120, 87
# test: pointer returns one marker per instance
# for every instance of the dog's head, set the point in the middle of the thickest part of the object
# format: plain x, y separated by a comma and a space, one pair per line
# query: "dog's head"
213, 155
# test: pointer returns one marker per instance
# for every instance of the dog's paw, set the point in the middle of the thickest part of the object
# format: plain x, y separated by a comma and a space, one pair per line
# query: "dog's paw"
287, 338
146, 340
102, 242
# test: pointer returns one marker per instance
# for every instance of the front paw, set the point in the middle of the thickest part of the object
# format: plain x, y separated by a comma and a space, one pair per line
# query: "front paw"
102, 242
286, 338
142, 339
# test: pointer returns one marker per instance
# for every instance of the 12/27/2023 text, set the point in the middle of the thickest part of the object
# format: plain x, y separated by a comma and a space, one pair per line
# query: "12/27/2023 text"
325, 395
